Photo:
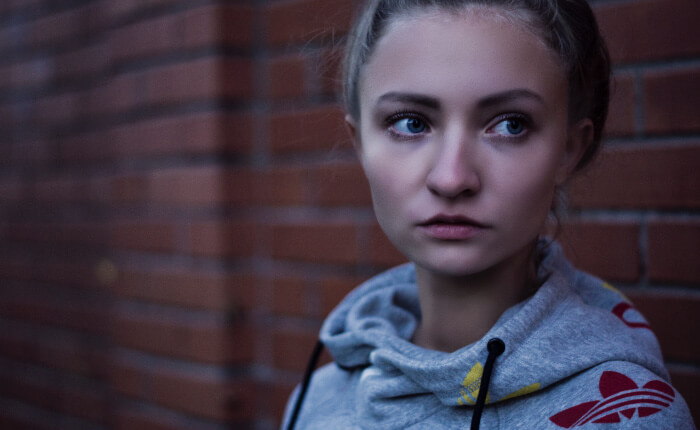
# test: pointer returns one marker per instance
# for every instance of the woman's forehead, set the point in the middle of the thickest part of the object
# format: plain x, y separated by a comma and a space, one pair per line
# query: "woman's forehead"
447, 53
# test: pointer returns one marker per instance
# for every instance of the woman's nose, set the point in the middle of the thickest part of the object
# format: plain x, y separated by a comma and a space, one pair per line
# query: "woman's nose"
455, 172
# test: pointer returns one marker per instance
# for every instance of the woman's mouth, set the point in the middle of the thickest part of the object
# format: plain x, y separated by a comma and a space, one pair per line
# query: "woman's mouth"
450, 227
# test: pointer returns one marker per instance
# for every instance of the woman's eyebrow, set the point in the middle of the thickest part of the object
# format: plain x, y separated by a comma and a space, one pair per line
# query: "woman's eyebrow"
419, 99
483, 103
508, 96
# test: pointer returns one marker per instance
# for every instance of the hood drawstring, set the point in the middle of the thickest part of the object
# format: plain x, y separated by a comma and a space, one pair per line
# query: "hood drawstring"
495, 348
313, 361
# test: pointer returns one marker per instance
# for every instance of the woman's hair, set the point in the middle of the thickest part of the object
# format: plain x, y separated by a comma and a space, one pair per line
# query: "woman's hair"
568, 27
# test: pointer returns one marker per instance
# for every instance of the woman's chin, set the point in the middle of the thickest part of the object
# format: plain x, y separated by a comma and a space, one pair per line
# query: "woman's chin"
452, 267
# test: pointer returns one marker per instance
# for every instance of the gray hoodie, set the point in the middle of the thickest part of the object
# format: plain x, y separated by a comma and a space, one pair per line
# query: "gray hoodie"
577, 355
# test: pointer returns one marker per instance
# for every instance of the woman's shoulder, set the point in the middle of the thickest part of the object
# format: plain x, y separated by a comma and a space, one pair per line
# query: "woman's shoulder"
330, 396
622, 393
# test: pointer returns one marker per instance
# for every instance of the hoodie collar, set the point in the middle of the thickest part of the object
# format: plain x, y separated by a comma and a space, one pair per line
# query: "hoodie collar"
549, 337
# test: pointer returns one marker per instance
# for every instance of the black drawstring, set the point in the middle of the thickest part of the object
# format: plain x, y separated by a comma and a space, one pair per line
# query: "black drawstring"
495, 348
305, 384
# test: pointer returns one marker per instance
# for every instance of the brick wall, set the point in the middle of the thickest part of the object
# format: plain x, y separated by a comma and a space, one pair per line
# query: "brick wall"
180, 206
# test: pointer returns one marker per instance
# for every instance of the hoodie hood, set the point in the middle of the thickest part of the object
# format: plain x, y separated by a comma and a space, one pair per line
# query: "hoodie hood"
572, 323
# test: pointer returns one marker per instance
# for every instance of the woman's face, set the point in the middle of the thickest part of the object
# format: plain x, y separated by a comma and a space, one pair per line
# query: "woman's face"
463, 136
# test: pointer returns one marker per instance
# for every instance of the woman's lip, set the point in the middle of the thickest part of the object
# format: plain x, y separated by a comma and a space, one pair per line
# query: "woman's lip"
451, 227
451, 219
450, 231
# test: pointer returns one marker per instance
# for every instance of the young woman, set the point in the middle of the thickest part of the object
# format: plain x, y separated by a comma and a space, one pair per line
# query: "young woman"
468, 117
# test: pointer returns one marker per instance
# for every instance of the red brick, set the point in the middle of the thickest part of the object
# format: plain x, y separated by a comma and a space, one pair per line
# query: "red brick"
230, 25
687, 381
89, 146
90, 234
188, 288
287, 77
8, 42
60, 271
223, 238
129, 419
129, 188
670, 100
84, 61
318, 243
143, 39
24, 4
60, 108
630, 38
16, 268
77, 315
67, 396
621, 114
214, 397
239, 187
289, 296
201, 341
645, 177
236, 133
11, 190
75, 356
69, 273
342, 185
97, 189
673, 317
606, 249
673, 251
6, 79
281, 186
129, 380
334, 289
10, 118
196, 134
381, 250
190, 186
223, 400
11, 418
33, 72
319, 129
118, 94
292, 348
306, 20
59, 27
117, 11
208, 78
62, 190
143, 235
35, 151
272, 400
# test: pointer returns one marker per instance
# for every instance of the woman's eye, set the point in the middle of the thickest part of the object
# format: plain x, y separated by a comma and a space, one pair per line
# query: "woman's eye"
510, 127
410, 126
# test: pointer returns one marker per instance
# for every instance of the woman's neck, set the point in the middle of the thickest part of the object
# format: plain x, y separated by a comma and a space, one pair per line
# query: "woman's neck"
457, 311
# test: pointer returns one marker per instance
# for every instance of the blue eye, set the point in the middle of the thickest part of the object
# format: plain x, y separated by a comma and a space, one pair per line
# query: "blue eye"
510, 127
410, 126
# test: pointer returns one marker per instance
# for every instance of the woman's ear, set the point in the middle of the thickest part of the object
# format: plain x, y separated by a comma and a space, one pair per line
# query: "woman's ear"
579, 138
352, 127
353, 130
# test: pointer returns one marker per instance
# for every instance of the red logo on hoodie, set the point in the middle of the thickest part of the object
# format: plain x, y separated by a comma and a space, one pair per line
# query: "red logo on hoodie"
619, 311
621, 398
